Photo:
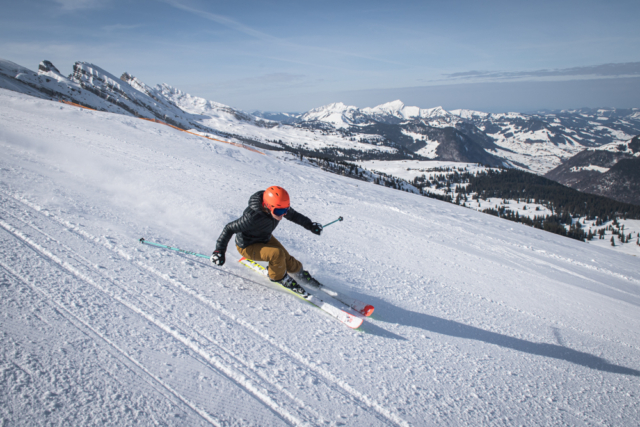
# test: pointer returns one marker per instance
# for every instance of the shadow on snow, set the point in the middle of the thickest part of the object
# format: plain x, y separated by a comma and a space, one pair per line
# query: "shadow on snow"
389, 313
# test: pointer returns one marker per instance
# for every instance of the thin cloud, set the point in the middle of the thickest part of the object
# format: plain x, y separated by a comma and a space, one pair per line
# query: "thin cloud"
121, 27
628, 69
223, 20
272, 79
235, 25
72, 5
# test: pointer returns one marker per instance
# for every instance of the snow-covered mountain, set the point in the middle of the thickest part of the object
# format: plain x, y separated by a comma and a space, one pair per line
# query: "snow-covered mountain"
96, 88
478, 321
48, 83
611, 170
93, 87
534, 142
426, 133
542, 141
340, 115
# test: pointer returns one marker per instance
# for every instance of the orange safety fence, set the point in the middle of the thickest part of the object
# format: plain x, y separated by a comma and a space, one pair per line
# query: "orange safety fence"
77, 105
203, 136
177, 128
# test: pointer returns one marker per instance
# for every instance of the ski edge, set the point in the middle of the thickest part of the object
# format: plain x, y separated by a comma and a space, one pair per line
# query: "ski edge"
342, 316
359, 306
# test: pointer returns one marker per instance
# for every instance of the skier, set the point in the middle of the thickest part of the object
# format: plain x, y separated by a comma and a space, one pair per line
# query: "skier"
255, 241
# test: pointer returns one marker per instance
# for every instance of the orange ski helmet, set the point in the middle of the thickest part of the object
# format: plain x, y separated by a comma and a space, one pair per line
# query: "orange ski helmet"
276, 197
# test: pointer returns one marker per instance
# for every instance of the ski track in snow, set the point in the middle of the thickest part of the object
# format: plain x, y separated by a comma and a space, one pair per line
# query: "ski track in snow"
190, 338
478, 321
86, 328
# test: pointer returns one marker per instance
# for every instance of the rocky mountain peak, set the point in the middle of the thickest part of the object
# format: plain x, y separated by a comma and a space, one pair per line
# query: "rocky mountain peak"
47, 67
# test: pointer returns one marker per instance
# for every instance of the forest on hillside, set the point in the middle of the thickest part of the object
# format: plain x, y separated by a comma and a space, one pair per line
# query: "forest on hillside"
456, 185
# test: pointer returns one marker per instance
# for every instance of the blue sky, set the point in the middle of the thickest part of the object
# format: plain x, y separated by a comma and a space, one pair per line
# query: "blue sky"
297, 55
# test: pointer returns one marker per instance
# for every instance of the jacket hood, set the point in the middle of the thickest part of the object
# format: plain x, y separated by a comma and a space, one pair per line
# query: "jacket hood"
255, 202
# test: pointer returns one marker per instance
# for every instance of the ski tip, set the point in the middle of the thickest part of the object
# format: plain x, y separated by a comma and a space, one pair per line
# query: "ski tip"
354, 323
368, 310
242, 259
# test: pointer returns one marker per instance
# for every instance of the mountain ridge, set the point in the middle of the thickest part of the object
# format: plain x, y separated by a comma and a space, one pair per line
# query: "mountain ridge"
537, 142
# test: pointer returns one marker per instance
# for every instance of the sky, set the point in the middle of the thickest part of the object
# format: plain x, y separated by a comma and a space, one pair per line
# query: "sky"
292, 56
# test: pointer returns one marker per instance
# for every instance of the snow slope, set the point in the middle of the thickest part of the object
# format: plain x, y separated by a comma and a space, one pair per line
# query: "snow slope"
478, 321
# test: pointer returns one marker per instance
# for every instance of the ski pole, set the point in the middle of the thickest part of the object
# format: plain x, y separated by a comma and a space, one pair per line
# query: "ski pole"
339, 219
144, 242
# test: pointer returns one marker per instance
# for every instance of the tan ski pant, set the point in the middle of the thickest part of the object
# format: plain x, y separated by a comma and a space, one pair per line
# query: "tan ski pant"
279, 259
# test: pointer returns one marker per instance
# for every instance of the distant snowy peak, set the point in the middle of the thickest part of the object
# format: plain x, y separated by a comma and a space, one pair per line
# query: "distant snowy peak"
433, 112
469, 114
196, 105
398, 110
337, 114
341, 115
190, 102
327, 110
479, 115
394, 108
46, 67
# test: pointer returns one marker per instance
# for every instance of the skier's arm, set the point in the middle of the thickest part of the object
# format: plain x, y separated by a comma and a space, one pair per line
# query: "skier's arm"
228, 231
298, 218
302, 220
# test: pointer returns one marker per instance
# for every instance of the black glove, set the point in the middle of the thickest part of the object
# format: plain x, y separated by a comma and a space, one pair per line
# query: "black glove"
217, 257
316, 228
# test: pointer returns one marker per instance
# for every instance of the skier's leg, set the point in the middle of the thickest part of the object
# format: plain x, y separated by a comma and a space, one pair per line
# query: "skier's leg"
292, 264
279, 259
271, 254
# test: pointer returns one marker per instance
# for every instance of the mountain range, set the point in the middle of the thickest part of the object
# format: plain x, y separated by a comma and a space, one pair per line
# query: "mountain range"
611, 170
568, 146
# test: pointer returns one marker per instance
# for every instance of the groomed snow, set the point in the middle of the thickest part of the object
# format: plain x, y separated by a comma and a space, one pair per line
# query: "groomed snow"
478, 320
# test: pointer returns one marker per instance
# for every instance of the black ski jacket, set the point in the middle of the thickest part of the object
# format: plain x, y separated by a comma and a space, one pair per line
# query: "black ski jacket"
256, 225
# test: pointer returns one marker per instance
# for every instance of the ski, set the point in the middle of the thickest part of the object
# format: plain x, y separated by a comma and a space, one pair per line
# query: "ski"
357, 305
350, 320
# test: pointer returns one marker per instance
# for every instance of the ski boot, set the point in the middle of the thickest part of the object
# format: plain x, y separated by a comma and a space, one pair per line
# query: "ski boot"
304, 277
289, 283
